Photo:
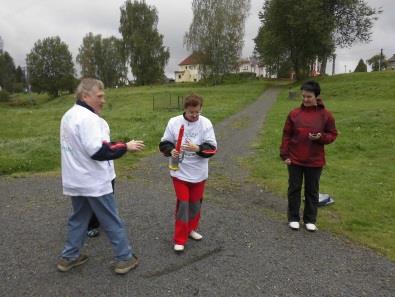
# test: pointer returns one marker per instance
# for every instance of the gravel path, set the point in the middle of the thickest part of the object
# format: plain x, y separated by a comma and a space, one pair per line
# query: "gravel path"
244, 252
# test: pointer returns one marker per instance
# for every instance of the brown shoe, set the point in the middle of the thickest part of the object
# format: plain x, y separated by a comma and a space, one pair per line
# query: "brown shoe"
65, 265
123, 267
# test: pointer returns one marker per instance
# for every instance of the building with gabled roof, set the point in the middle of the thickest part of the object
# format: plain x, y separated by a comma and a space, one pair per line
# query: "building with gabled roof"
391, 63
251, 65
189, 69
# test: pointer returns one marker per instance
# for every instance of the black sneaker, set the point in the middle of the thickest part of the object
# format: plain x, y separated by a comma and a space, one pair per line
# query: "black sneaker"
65, 265
123, 267
93, 233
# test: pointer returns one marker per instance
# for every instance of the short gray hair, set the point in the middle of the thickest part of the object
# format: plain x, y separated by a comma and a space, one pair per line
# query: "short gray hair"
86, 85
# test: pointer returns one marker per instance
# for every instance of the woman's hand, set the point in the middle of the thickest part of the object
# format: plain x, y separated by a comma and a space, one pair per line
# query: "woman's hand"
287, 161
174, 153
314, 136
190, 147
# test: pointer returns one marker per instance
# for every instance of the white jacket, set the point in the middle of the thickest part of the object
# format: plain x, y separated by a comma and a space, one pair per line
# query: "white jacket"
82, 133
193, 168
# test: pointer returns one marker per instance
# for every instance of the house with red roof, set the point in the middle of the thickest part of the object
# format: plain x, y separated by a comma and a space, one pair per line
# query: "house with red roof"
189, 69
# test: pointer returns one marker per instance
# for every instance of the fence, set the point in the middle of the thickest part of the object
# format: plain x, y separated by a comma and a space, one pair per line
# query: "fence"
167, 102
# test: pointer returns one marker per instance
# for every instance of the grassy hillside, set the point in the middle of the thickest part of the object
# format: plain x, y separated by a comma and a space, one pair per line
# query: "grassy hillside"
29, 134
360, 171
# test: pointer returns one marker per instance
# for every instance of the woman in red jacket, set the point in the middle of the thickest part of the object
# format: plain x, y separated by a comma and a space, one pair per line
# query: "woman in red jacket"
307, 129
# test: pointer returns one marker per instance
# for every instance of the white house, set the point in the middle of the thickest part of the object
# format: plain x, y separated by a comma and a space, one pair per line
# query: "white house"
189, 69
251, 65
391, 63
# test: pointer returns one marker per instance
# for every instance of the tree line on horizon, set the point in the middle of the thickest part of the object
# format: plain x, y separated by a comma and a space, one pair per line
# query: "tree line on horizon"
292, 36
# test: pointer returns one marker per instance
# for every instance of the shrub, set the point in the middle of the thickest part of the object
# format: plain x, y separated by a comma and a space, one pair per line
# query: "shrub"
238, 77
4, 96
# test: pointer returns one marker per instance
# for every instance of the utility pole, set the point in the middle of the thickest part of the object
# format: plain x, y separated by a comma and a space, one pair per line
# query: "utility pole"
333, 64
28, 88
381, 58
1, 45
345, 68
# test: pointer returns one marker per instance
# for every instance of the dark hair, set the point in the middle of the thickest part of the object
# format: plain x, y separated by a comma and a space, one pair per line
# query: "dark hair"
193, 100
311, 86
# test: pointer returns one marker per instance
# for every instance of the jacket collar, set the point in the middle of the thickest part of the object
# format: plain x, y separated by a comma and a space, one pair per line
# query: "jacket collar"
83, 104
320, 105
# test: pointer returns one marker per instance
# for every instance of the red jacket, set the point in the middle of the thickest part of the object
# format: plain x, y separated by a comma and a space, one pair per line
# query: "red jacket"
296, 144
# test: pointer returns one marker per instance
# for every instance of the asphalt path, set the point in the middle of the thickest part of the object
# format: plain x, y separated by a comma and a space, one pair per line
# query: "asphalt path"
245, 251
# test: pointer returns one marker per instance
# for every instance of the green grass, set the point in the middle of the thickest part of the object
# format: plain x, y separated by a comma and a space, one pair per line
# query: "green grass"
29, 134
360, 171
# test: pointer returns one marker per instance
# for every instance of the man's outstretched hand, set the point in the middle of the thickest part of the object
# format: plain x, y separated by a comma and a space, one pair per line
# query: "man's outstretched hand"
135, 145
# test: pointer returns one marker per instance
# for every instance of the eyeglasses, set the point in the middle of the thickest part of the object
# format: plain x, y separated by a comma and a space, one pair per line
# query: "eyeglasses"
193, 113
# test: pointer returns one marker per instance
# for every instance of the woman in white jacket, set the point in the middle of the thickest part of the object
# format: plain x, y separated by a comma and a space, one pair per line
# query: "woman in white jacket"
198, 143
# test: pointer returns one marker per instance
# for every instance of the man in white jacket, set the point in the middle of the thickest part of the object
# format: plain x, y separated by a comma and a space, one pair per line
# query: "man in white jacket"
88, 175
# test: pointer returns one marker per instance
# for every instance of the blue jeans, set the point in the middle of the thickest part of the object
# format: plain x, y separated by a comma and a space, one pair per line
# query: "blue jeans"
105, 209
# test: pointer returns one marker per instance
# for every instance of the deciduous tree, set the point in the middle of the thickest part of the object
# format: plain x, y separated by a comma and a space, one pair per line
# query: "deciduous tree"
293, 32
103, 58
216, 33
143, 44
378, 62
302, 31
50, 66
87, 55
7, 72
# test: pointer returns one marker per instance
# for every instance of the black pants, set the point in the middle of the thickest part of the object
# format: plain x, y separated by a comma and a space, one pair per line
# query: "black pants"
311, 177
94, 222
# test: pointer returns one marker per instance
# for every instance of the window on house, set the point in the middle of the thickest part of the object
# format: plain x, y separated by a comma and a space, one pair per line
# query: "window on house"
179, 76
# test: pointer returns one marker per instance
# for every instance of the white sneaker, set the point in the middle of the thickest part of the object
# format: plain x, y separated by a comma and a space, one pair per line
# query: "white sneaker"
311, 227
178, 248
294, 225
194, 235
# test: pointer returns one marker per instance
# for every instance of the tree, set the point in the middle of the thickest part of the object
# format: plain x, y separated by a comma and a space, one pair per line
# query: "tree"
216, 34
294, 32
352, 20
103, 59
143, 45
302, 31
20, 76
87, 55
361, 67
7, 72
20, 80
112, 69
50, 66
378, 62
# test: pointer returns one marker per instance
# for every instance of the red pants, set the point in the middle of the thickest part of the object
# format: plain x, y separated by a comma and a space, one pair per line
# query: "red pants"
189, 201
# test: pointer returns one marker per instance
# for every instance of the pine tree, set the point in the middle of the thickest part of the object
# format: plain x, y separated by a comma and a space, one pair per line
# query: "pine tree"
361, 67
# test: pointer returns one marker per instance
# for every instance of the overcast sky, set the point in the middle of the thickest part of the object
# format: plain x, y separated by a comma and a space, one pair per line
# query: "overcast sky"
23, 22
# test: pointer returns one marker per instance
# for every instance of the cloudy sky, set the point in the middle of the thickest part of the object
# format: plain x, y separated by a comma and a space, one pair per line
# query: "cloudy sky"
23, 22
